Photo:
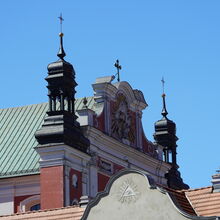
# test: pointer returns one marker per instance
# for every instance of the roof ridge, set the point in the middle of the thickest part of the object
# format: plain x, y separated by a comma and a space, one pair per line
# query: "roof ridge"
197, 189
24, 106
170, 189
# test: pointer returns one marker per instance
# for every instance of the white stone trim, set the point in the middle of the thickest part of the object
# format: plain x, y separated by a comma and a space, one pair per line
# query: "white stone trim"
26, 204
127, 90
85, 182
85, 116
139, 130
59, 155
6, 200
107, 116
117, 152
27, 189
67, 186
93, 181
20, 186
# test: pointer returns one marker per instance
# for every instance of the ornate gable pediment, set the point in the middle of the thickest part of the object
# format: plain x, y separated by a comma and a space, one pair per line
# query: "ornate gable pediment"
118, 110
125, 114
132, 194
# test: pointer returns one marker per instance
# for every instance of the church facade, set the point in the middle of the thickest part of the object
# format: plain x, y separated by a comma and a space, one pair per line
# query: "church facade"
54, 154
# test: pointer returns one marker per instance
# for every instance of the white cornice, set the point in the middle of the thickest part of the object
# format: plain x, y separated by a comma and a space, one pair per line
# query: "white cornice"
58, 155
31, 179
110, 147
105, 90
128, 91
26, 185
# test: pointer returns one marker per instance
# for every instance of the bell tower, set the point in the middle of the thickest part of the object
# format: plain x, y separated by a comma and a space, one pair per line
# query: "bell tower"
165, 135
61, 143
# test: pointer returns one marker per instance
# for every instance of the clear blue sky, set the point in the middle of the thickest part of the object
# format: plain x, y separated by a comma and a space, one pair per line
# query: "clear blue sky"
179, 40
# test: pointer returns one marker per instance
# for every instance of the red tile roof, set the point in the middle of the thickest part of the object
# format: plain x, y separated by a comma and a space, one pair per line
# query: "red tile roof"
201, 202
204, 201
70, 212
180, 200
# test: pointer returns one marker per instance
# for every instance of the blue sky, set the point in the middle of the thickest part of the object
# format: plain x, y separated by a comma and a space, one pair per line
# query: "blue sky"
177, 39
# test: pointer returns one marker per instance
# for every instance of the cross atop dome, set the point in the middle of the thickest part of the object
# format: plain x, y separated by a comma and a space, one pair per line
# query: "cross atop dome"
164, 110
61, 22
61, 53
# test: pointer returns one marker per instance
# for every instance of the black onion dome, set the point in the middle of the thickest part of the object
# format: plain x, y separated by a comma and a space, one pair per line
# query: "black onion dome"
61, 83
165, 129
60, 66
165, 125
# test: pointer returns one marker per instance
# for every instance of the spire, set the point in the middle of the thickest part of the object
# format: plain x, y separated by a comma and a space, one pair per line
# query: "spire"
164, 110
61, 53
60, 124
61, 82
165, 132
60, 136
165, 136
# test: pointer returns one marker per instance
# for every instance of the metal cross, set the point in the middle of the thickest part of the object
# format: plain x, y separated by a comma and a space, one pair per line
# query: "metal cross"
163, 82
61, 21
118, 68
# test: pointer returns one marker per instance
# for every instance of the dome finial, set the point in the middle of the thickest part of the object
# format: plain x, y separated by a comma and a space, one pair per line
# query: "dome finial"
164, 110
61, 53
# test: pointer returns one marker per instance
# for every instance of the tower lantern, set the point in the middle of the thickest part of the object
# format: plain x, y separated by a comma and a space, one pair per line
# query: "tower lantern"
60, 139
165, 135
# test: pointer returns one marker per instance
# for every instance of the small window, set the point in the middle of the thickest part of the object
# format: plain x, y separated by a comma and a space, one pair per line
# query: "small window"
35, 207
30, 204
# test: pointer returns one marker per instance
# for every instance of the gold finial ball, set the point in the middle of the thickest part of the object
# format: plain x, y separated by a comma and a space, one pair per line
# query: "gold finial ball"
163, 95
61, 34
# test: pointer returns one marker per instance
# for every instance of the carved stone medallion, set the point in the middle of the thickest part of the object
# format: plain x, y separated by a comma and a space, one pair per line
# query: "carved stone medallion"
128, 192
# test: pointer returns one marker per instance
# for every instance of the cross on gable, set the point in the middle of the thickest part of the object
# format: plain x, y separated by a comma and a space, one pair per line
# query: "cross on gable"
118, 68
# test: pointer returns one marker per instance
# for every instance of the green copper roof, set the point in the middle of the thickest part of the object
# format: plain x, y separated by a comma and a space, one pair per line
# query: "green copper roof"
17, 141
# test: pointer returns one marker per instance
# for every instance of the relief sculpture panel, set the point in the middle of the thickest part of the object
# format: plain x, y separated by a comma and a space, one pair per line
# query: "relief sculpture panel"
122, 121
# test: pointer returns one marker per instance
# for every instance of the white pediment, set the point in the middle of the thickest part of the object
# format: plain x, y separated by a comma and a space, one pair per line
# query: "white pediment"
134, 97
103, 88
131, 195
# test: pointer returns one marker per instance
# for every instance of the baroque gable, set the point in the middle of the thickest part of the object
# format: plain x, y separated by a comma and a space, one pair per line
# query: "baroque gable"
118, 113
133, 194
